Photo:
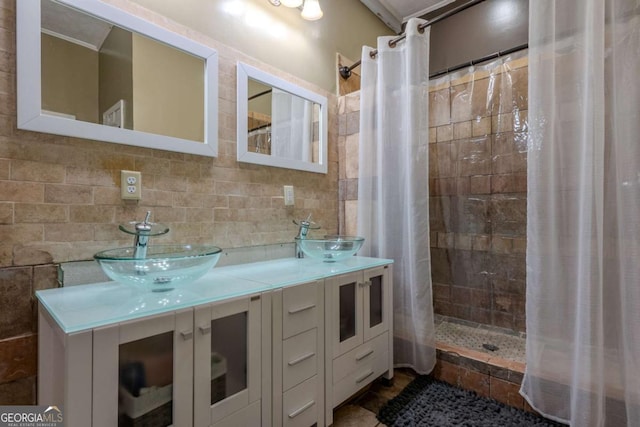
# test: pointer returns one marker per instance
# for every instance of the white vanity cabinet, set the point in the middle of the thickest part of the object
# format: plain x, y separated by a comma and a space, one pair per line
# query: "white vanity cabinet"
279, 343
298, 355
359, 345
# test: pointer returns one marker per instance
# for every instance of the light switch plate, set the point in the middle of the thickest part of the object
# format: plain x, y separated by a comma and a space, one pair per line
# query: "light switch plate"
289, 200
130, 185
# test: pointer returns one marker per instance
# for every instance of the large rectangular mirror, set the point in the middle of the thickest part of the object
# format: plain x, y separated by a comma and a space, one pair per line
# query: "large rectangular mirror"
90, 70
280, 124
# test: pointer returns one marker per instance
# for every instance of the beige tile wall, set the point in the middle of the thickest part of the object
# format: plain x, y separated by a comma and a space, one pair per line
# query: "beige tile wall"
59, 198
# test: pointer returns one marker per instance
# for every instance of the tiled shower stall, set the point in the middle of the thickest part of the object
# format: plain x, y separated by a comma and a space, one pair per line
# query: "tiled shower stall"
477, 215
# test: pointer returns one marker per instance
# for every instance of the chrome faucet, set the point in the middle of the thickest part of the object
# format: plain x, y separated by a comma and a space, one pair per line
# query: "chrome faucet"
142, 231
141, 239
305, 226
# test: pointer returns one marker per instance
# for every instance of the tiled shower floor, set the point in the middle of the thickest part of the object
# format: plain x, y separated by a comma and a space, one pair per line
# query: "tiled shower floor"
510, 345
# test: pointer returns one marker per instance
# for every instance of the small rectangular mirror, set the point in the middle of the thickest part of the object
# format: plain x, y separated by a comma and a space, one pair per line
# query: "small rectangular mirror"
91, 70
280, 124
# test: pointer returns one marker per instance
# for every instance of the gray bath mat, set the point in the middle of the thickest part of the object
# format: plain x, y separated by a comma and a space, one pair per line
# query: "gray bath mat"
426, 402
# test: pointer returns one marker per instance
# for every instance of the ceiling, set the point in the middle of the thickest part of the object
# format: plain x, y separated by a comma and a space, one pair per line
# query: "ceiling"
395, 12
74, 26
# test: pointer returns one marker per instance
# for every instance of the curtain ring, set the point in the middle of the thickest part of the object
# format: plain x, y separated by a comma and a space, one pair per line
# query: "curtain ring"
392, 43
373, 54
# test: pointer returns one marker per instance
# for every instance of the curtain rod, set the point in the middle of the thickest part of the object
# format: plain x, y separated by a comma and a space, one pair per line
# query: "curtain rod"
345, 71
480, 60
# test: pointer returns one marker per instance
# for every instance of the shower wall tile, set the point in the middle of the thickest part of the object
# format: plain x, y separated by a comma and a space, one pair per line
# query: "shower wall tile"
461, 102
480, 315
463, 185
474, 156
350, 216
433, 135
348, 189
444, 133
480, 98
481, 243
353, 122
481, 126
463, 130
480, 184
441, 266
463, 241
520, 88
512, 183
439, 108
484, 209
502, 123
351, 156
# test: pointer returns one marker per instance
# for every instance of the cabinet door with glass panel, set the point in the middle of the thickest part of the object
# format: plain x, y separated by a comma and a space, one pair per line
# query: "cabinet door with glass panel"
227, 371
360, 308
143, 372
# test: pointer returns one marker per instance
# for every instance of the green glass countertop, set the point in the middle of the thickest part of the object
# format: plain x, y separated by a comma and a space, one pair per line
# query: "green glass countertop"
78, 308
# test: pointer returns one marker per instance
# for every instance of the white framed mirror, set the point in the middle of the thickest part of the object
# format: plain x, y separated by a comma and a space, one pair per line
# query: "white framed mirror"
90, 70
280, 124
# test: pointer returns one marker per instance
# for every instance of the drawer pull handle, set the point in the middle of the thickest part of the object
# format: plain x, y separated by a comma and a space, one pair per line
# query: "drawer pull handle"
204, 329
186, 335
363, 377
305, 308
363, 355
301, 359
302, 409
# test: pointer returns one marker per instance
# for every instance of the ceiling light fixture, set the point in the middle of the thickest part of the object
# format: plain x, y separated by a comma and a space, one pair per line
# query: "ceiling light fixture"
311, 10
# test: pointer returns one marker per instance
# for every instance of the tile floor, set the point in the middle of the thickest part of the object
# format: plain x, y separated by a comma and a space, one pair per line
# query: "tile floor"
361, 411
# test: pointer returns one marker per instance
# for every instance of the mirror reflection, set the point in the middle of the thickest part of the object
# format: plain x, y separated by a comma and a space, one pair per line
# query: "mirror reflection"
282, 124
286, 125
91, 70
97, 72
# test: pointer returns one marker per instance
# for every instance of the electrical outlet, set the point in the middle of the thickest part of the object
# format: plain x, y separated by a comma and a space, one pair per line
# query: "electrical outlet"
130, 185
288, 195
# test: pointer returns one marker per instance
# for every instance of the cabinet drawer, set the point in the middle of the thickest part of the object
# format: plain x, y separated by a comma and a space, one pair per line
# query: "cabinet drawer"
300, 405
299, 358
300, 309
359, 356
366, 372
246, 417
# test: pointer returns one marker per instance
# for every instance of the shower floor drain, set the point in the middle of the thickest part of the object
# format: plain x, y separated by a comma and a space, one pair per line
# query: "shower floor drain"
490, 347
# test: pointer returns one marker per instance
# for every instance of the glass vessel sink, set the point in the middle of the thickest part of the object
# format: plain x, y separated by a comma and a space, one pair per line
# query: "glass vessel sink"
330, 248
163, 268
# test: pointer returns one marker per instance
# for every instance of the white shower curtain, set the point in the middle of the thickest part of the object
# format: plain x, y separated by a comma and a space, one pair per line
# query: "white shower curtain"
393, 186
291, 126
583, 251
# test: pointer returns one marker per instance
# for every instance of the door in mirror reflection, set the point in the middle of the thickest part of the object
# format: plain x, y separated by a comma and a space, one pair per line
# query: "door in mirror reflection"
97, 72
